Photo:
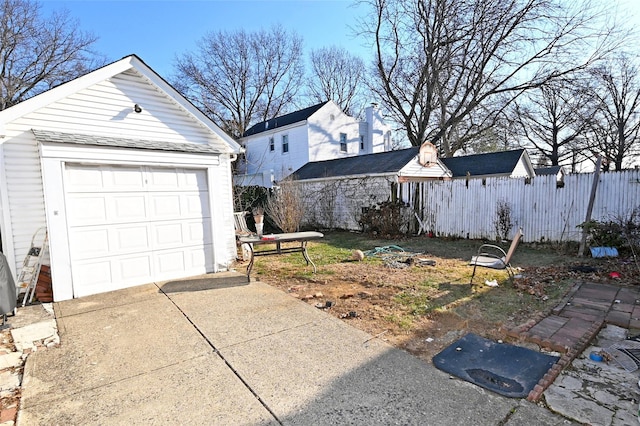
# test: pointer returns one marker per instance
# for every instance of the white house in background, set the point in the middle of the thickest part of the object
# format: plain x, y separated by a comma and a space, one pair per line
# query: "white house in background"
276, 148
131, 180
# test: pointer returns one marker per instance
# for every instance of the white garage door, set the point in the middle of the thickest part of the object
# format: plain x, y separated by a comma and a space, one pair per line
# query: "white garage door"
135, 225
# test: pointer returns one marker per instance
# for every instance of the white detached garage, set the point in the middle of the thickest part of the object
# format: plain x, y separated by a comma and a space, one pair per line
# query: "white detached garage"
132, 182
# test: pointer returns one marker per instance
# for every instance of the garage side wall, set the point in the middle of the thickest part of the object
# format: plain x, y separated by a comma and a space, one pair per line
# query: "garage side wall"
104, 109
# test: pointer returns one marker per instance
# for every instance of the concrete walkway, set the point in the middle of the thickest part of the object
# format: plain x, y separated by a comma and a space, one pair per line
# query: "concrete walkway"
218, 350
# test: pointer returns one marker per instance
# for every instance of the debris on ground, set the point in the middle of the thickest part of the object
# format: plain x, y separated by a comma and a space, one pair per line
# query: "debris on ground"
357, 255
395, 257
492, 283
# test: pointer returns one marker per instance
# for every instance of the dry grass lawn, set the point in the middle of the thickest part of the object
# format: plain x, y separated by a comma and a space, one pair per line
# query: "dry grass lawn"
420, 299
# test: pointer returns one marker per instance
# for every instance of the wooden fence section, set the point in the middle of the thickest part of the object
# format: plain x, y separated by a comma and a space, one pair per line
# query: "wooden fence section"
544, 211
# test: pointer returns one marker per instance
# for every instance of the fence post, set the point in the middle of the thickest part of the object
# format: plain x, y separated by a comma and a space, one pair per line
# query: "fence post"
592, 197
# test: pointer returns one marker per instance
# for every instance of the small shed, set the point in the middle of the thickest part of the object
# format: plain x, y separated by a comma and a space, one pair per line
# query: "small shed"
337, 191
132, 182
514, 163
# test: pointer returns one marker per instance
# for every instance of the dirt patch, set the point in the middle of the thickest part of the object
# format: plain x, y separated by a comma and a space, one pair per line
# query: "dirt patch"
423, 307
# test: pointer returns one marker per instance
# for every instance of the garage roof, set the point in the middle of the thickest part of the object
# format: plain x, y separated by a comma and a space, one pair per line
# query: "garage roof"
379, 163
81, 139
487, 164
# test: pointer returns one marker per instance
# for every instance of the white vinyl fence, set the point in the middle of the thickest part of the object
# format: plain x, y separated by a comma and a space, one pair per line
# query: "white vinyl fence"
544, 211
464, 209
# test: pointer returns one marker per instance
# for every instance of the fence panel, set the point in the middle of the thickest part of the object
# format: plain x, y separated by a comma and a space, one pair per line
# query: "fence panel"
545, 211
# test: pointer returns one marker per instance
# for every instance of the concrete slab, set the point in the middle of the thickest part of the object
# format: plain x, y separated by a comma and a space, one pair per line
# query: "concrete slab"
199, 390
105, 300
526, 412
144, 356
236, 314
330, 371
594, 392
104, 346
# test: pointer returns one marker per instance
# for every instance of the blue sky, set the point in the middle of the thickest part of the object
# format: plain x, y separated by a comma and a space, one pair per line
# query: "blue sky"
157, 31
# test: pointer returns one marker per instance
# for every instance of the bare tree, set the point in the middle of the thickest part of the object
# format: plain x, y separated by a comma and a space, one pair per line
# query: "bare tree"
439, 61
285, 205
617, 122
555, 118
337, 75
239, 78
38, 53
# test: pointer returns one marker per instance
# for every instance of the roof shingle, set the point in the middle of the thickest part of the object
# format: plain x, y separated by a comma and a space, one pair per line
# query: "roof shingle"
493, 163
369, 164
283, 120
95, 140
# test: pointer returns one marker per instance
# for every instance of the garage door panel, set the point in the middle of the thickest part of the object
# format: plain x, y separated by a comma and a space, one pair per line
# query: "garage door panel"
89, 243
86, 210
135, 225
199, 260
162, 179
197, 231
123, 179
126, 208
93, 275
170, 262
133, 269
165, 206
168, 235
83, 178
127, 239
196, 205
193, 179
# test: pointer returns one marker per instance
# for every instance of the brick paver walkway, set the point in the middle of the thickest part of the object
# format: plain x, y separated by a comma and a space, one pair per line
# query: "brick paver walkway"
571, 326
581, 315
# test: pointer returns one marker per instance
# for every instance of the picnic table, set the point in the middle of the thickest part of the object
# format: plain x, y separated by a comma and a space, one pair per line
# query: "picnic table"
277, 239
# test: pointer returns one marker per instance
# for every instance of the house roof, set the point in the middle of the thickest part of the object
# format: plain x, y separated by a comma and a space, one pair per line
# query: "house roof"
284, 120
550, 170
81, 139
493, 163
94, 77
370, 164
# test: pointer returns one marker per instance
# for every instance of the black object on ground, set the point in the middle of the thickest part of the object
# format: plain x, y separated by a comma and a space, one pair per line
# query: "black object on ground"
506, 369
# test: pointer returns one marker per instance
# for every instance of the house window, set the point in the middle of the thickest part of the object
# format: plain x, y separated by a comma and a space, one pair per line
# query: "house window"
285, 144
343, 142
272, 144
361, 142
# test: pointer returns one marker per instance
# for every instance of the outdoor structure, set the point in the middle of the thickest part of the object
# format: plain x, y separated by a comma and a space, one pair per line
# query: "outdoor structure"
515, 163
276, 148
336, 191
131, 180
557, 171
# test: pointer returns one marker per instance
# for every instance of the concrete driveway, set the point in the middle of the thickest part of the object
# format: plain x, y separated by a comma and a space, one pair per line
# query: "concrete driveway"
218, 350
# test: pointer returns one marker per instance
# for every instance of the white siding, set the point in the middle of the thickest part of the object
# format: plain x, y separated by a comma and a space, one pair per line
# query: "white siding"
107, 109
378, 132
24, 195
224, 241
103, 109
415, 171
316, 139
325, 127
522, 170
260, 159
